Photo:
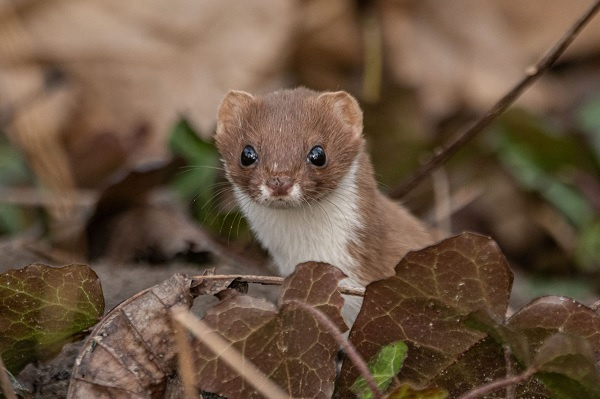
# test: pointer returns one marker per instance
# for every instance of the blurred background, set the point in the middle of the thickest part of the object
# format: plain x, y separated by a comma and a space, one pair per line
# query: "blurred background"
107, 109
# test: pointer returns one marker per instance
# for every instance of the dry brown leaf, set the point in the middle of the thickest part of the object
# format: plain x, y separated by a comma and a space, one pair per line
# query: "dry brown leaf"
136, 66
131, 352
202, 286
127, 226
131, 69
472, 52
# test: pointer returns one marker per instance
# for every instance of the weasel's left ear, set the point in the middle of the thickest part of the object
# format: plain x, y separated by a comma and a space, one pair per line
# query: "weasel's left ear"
345, 107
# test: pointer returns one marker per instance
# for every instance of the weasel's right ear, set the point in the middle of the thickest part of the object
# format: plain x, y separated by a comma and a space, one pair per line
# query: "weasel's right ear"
346, 108
231, 106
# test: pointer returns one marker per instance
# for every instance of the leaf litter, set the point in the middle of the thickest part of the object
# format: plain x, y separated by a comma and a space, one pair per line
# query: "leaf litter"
447, 303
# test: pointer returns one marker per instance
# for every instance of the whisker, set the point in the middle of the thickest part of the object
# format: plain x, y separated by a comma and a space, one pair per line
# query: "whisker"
194, 167
215, 195
224, 219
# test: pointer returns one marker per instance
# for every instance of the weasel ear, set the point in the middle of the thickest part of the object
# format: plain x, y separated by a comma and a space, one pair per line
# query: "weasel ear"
346, 108
231, 106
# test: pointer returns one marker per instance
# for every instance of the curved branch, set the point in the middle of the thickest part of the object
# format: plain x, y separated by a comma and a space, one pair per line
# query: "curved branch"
531, 75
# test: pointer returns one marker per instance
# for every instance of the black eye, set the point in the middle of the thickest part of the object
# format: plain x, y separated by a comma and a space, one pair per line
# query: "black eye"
316, 156
249, 156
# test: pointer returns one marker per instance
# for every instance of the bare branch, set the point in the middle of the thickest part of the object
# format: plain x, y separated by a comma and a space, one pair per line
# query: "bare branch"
531, 75
273, 280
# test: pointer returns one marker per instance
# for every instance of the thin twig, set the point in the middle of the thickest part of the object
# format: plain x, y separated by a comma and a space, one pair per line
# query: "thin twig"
273, 280
499, 384
532, 74
350, 350
5, 384
227, 353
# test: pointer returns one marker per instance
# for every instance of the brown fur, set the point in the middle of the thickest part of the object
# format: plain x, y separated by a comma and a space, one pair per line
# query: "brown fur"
389, 233
283, 127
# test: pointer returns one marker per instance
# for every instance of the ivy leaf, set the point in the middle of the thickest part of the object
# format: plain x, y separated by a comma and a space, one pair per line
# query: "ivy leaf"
131, 353
568, 367
43, 307
383, 367
504, 335
564, 337
288, 345
426, 303
549, 315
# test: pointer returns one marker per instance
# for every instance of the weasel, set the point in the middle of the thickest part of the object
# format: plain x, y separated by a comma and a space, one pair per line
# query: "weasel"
300, 173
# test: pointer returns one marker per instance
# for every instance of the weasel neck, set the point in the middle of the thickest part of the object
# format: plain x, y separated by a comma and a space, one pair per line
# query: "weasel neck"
317, 231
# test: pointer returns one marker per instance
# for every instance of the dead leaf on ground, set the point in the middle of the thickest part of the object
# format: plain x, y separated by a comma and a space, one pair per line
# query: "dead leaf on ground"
472, 52
128, 226
131, 352
135, 67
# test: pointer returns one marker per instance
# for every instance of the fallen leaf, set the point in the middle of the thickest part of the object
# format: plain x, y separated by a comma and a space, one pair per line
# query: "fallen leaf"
133, 68
131, 352
471, 52
555, 334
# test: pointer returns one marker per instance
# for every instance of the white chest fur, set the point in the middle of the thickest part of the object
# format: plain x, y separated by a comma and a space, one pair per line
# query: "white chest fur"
314, 232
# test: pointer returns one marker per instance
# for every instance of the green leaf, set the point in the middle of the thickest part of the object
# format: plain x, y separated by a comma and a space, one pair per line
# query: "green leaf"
13, 172
42, 308
13, 167
530, 175
542, 159
405, 391
587, 253
589, 120
202, 157
383, 367
201, 182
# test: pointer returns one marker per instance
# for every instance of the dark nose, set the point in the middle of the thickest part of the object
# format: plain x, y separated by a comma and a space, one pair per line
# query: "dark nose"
280, 186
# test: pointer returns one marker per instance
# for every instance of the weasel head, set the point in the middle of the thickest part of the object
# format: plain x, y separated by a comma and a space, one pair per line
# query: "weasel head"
289, 148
